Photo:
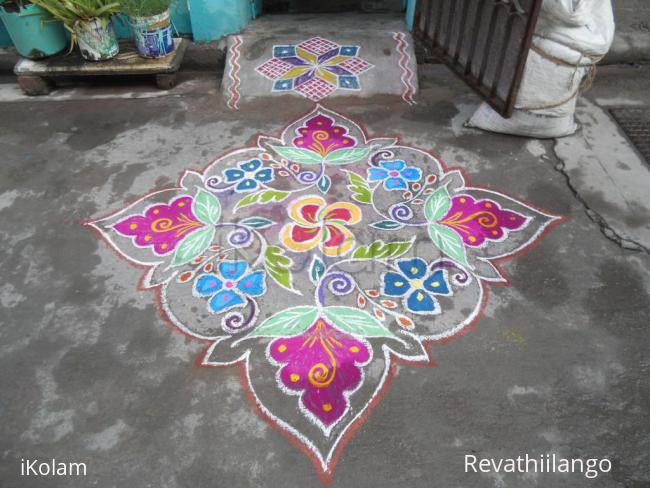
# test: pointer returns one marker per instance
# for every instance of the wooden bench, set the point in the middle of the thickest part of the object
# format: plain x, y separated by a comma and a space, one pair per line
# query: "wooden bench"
38, 77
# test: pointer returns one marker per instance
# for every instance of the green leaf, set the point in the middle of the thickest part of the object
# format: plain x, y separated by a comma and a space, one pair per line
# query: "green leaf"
381, 250
449, 242
355, 321
346, 156
437, 205
206, 207
263, 196
193, 245
257, 222
289, 322
277, 265
359, 188
386, 225
316, 270
298, 155
324, 184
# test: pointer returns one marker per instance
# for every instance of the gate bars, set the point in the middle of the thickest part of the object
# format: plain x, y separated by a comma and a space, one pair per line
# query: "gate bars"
485, 42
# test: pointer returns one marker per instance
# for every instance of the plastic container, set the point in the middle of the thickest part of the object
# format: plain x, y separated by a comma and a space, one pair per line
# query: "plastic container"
33, 38
153, 35
96, 39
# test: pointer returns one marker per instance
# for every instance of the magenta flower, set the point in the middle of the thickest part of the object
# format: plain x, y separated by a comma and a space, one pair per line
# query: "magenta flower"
322, 363
479, 220
321, 136
162, 226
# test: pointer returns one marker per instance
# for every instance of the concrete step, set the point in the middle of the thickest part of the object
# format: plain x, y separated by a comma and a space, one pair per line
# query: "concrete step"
321, 56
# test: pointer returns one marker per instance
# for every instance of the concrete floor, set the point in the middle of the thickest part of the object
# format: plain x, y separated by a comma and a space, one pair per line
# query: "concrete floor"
89, 371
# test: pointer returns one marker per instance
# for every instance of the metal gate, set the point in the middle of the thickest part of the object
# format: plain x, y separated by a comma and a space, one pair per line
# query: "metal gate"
485, 42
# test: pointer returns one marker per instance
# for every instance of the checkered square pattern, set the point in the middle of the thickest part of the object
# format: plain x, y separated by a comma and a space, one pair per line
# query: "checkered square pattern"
314, 68
318, 45
355, 65
273, 68
315, 89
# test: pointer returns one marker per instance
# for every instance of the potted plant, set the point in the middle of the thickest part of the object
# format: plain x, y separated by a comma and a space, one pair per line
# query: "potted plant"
90, 25
33, 38
151, 26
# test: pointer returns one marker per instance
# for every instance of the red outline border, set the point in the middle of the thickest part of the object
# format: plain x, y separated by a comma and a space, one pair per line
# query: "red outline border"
325, 476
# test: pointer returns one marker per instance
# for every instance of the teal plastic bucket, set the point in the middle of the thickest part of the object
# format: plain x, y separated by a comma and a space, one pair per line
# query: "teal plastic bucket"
32, 37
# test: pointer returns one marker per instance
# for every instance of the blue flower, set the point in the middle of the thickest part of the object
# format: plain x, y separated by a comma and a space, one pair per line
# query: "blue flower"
416, 285
394, 174
249, 175
230, 287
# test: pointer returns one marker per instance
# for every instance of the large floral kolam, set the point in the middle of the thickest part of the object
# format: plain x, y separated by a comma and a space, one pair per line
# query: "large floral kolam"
316, 261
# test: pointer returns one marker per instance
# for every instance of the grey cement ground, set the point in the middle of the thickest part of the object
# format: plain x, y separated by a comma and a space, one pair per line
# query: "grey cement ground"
632, 37
89, 371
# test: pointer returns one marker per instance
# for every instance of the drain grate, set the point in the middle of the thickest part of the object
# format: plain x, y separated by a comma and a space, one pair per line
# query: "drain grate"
635, 122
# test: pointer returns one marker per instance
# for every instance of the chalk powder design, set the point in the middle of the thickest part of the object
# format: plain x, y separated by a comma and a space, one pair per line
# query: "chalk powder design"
314, 68
378, 247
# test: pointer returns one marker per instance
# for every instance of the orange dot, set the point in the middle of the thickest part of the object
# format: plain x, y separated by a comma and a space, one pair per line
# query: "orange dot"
181, 204
488, 205
495, 232
133, 226
163, 246
471, 239
336, 131
319, 123
300, 143
294, 377
327, 407
147, 238
463, 200
282, 348
354, 349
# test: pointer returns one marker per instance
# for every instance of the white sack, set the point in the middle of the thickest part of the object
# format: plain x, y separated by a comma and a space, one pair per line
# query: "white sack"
584, 25
570, 37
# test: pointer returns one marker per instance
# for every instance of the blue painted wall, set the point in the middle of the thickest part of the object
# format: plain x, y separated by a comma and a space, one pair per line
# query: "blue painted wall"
5, 40
410, 12
212, 19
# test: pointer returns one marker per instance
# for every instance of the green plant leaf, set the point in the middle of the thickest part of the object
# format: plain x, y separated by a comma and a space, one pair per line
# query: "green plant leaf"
381, 250
193, 245
346, 156
437, 205
206, 207
277, 265
298, 155
360, 190
263, 196
289, 322
355, 321
449, 242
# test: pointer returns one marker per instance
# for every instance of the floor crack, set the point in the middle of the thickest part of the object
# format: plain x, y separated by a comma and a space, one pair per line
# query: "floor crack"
605, 228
